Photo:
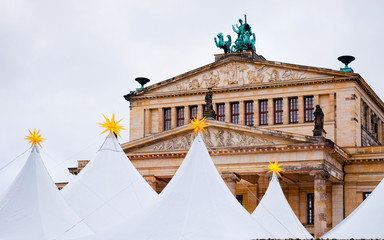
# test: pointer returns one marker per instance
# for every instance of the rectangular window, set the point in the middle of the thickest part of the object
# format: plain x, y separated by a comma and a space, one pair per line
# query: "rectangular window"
263, 112
235, 113
221, 112
310, 208
249, 113
308, 109
240, 199
180, 116
192, 112
278, 110
167, 118
293, 110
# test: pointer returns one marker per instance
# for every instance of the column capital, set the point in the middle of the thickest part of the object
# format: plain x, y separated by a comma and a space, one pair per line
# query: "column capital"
320, 174
230, 177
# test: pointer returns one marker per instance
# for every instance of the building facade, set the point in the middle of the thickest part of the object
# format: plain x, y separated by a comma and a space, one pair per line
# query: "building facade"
265, 113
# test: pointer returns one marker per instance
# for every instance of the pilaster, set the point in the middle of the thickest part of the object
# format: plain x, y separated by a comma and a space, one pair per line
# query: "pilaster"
200, 111
161, 120
320, 199
285, 111
301, 109
147, 121
241, 113
186, 115
227, 112
337, 203
256, 115
173, 117
270, 111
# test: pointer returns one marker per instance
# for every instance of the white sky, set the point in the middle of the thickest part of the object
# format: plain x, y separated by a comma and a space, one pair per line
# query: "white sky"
65, 63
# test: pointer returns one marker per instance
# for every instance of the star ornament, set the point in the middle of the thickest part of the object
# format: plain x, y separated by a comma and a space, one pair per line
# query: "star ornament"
197, 125
111, 125
275, 167
34, 137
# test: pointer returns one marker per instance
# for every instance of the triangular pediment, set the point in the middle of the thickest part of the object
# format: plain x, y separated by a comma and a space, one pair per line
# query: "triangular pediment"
239, 72
219, 135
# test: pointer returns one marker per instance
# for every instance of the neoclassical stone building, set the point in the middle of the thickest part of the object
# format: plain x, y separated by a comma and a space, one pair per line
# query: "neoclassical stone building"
265, 113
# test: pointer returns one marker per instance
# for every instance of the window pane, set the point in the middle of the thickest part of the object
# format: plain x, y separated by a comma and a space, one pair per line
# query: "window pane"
221, 112
180, 116
192, 112
167, 118
263, 112
235, 113
249, 113
308, 109
310, 208
293, 110
278, 105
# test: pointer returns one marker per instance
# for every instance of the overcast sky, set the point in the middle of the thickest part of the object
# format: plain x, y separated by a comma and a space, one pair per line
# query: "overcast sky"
65, 63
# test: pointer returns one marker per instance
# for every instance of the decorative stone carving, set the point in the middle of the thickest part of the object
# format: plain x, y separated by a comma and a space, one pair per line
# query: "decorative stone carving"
211, 79
214, 137
257, 76
274, 76
194, 84
291, 75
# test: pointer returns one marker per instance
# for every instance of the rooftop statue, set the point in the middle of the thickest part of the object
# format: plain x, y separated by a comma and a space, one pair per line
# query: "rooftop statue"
226, 45
245, 38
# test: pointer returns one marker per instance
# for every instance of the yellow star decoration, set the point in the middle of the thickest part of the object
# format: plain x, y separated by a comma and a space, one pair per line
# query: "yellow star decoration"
275, 167
34, 137
111, 125
198, 125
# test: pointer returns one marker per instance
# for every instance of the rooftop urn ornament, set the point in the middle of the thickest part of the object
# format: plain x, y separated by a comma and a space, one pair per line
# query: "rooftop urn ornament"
346, 59
142, 81
34, 137
112, 126
319, 131
209, 113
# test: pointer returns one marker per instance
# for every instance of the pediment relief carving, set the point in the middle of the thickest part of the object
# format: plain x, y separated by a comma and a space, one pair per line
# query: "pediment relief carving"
214, 138
237, 74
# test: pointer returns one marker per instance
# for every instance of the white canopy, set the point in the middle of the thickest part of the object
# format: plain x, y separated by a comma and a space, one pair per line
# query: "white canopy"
366, 221
276, 215
109, 190
32, 208
196, 204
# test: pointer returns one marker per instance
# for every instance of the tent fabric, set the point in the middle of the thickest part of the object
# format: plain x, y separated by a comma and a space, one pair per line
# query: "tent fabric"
109, 190
275, 214
32, 208
196, 204
365, 222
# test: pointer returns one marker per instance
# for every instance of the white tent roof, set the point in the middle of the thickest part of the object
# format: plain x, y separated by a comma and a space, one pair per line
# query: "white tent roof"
276, 215
196, 204
366, 221
33, 208
109, 190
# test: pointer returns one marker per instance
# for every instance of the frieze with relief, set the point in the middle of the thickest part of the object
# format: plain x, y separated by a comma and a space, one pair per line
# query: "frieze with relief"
237, 74
214, 137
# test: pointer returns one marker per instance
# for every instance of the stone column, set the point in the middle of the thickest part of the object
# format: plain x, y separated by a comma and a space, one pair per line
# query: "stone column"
173, 117
161, 120
227, 112
285, 111
337, 203
256, 115
186, 115
147, 122
241, 113
301, 109
331, 106
152, 181
320, 191
316, 100
231, 180
200, 111
271, 114
294, 198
